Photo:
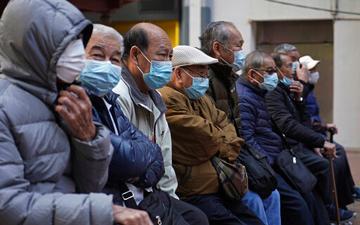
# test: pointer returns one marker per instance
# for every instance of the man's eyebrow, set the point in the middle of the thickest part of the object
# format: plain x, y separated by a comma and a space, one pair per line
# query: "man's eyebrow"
97, 47
117, 52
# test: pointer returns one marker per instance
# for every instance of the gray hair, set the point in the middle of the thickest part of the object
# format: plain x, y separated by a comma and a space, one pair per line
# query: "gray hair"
284, 48
215, 31
255, 60
109, 32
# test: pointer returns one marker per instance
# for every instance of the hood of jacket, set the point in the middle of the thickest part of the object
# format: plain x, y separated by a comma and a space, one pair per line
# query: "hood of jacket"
32, 40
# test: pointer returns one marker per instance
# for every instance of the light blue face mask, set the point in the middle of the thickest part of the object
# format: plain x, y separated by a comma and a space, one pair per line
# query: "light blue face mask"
270, 81
239, 59
159, 74
287, 81
294, 66
198, 88
100, 77
314, 77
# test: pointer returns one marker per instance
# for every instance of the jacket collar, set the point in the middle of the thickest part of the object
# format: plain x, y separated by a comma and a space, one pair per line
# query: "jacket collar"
111, 98
220, 68
137, 96
249, 85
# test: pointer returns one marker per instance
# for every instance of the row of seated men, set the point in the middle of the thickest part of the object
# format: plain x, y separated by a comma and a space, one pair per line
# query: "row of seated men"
211, 110
146, 122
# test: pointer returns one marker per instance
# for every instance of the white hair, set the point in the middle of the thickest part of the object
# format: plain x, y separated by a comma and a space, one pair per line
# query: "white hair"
110, 32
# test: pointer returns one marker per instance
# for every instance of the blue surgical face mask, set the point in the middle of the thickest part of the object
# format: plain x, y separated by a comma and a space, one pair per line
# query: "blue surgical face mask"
314, 77
100, 77
198, 88
286, 81
270, 81
239, 59
294, 66
159, 74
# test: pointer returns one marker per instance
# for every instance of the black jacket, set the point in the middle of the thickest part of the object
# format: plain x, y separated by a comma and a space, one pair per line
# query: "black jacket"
222, 91
291, 119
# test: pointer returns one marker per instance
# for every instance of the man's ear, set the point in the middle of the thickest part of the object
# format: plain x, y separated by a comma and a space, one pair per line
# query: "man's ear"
178, 76
279, 73
251, 76
177, 73
134, 52
216, 46
250, 73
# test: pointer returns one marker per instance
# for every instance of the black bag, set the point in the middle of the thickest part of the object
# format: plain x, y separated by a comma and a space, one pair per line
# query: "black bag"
160, 209
157, 204
295, 172
261, 176
292, 168
232, 177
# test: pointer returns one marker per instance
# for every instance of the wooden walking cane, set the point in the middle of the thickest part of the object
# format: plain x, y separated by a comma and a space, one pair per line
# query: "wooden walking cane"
332, 173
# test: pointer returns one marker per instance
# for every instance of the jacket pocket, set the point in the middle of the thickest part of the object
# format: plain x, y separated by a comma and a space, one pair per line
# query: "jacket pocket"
183, 173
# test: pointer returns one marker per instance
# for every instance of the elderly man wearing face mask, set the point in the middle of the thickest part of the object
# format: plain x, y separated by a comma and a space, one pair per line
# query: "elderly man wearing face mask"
288, 113
146, 66
312, 107
51, 150
223, 41
347, 191
137, 163
260, 75
199, 132
299, 72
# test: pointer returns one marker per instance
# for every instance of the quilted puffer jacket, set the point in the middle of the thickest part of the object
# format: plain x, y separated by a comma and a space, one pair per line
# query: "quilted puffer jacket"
43, 169
135, 156
256, 127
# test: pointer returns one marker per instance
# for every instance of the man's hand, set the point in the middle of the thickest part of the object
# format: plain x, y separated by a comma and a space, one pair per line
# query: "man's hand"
297, 88
128, 216
74, 107
302, 73
329, 149
332, 128
318, 151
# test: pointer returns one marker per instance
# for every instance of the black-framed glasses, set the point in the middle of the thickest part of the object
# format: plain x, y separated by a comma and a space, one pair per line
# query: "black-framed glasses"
269, 70
187, 70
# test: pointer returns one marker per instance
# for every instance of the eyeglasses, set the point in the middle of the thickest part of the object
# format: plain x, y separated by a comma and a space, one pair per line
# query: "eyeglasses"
268, 70
289, 65
203, 76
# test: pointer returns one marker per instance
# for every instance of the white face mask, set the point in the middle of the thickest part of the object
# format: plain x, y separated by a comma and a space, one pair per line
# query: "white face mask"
314, 77
71, 62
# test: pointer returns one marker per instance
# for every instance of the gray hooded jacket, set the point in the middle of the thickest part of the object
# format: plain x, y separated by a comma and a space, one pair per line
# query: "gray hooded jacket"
41, 166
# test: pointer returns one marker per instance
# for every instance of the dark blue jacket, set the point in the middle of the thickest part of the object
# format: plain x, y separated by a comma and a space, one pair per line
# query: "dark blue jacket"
135, 156
312, 108
256, 127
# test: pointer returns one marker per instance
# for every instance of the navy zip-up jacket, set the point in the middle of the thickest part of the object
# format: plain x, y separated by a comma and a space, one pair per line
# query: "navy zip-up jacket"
135, 156
256, 126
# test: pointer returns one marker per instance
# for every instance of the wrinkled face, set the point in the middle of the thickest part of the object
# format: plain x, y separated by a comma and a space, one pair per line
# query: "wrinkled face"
256, 76
225, 51
294, 55
183, 75
159, 49
286, 68
104, 48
